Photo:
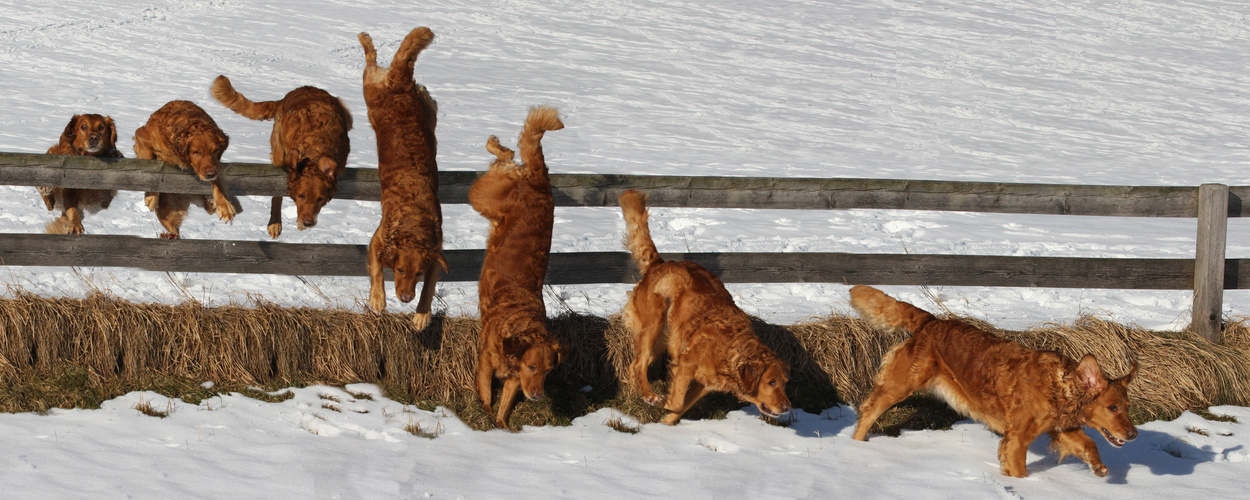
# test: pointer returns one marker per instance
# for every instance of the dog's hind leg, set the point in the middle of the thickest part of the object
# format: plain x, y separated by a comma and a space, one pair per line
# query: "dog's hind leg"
645, 319
1078, 444
896, 380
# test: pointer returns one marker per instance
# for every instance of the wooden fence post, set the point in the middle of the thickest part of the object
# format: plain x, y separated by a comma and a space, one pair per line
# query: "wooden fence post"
1209, 261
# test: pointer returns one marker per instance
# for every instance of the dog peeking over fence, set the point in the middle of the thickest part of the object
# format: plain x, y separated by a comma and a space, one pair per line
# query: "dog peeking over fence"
85, 135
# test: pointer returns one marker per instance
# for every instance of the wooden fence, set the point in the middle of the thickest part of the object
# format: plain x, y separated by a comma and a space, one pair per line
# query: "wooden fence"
1208, 274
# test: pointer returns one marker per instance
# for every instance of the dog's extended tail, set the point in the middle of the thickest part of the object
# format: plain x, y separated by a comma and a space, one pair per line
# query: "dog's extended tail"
540, 119
637, 234
230, 98
883, 311
406, 57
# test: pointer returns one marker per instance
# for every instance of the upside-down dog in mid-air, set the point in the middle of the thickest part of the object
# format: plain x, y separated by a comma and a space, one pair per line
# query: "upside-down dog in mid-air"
409, 238
309, 141
85, 135
184, 135
516, 199
1018, 392
710, 341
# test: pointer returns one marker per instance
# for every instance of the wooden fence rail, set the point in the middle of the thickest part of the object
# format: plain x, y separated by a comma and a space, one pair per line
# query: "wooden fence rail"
1209, 273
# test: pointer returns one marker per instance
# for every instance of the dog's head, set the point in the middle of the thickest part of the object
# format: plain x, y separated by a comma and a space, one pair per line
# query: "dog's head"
535, 359
311, 185
409, 255
764, 384
1108, 412
90, 134
203, 150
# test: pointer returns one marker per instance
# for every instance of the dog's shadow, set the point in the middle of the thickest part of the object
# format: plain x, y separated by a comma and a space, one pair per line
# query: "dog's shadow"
1163, 453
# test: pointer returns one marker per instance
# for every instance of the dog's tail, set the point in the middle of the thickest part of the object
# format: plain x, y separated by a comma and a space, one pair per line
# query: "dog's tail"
230, 98
406, 57
883, 311
637, 234
539, 120
59, 225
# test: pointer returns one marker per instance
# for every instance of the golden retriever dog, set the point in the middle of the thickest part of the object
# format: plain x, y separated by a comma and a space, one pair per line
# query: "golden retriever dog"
711, 344
1017, 392
516, 199
309, 141
85, 135
409, 239
182, 134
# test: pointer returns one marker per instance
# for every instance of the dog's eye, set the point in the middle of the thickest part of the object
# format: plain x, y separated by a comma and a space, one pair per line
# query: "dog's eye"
1113, 408
83, 126
301, 196
532, 368
399, 270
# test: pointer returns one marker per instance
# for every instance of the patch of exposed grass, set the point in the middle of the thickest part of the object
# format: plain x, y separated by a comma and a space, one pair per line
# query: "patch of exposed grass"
1197, 431
1201, 412
146, 408
617, 423
413, 427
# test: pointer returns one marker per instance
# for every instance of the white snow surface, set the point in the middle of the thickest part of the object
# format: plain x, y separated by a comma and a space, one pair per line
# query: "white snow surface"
1120, 93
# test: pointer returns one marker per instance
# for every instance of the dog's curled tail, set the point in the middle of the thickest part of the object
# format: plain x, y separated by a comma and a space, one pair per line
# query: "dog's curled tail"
230, 98
883, 311
539, 120
637, 234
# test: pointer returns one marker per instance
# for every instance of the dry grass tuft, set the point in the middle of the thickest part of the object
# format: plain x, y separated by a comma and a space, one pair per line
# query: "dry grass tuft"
79, 352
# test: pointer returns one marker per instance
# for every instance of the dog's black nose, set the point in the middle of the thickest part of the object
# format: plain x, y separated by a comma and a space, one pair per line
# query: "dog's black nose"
1130, 435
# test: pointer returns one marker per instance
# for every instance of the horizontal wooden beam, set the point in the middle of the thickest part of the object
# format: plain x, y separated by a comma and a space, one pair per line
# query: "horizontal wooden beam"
598, 190
265, 257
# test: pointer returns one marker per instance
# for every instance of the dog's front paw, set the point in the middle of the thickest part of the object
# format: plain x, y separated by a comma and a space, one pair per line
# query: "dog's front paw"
652, 399
1100, 470
169, 236
420, 320
76, 228
377, 302
225, 211
275, 230
671, 418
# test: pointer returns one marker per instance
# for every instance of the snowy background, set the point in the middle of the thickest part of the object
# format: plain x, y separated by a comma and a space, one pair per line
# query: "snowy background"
1125, 93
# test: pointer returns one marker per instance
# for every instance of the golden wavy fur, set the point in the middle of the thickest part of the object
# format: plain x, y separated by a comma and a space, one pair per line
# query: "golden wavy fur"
309, 141
1017, 392
184, 135
515, 344
710, 341
409, 238
85, 135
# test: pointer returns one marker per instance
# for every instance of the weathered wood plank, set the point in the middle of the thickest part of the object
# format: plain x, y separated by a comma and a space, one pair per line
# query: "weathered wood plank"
607, 267
1209, 261
597, 190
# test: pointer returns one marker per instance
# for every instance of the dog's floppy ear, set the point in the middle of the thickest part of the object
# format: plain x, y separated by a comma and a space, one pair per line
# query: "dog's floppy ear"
112, 131
749, 374
327, 166
514, 347
67, 136
1090, 375
1131, 372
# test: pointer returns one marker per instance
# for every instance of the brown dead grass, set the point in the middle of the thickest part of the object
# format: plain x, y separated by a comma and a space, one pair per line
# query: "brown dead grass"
106, 346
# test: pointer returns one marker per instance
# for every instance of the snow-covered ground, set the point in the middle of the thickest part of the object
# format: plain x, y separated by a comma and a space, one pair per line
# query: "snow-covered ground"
1129, 93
